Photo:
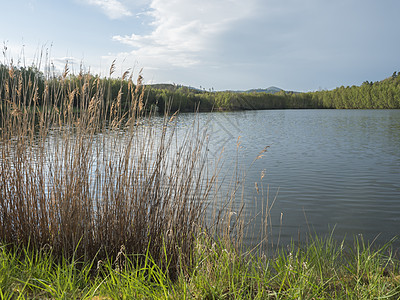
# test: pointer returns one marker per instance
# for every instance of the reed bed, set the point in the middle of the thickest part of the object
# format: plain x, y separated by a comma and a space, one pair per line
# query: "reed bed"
89, 176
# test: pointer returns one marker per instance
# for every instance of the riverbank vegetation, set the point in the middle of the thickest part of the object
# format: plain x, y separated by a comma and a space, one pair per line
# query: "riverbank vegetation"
320, 269
98, 200
84, 175
384, 94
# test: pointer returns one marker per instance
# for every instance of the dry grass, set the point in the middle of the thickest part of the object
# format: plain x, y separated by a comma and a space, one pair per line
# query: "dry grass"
86, 177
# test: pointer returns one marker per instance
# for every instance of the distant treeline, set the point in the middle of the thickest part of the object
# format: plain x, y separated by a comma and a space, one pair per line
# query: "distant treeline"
383, 94
370, 95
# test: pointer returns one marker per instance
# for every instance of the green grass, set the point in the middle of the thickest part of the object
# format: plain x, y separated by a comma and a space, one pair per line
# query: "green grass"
320, 269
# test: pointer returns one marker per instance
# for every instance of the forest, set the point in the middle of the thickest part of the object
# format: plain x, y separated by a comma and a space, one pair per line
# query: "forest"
384, 94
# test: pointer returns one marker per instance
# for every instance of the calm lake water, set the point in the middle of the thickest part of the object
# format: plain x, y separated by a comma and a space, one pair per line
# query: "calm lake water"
326, 168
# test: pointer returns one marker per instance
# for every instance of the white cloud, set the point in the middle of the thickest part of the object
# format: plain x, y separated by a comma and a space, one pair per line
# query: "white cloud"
184, 31
32, 5
284, 43
114, 9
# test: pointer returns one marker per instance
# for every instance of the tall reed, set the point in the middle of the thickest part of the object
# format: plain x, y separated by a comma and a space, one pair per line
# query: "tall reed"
90, 176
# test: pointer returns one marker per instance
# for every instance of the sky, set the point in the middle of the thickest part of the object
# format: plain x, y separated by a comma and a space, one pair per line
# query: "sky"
295, 45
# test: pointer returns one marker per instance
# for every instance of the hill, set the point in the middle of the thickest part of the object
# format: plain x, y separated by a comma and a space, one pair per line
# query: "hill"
270, 90
174, 87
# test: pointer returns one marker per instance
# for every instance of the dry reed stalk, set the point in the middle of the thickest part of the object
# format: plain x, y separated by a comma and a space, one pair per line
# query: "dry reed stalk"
85, 176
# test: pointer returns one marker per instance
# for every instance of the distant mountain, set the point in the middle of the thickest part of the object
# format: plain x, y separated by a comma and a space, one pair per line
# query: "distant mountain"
174, 87
164, 86
270, 90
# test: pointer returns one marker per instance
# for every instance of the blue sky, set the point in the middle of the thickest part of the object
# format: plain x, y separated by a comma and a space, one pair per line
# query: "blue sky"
221, 44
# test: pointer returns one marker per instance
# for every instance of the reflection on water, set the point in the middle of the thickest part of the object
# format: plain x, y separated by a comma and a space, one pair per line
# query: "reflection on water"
333, 168
326, 168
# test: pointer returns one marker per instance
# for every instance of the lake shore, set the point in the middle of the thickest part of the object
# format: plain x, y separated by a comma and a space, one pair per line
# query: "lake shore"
320, 269
95, 204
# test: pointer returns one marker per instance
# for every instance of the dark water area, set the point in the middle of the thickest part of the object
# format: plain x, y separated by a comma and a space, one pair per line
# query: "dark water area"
327, 169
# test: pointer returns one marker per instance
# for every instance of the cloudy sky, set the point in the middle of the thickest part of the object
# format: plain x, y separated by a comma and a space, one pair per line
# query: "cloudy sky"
221, 44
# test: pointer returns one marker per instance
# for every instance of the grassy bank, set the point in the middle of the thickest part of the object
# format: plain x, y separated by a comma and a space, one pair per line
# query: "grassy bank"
321, 269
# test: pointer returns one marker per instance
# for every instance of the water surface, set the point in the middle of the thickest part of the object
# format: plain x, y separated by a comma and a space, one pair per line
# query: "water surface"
330, 168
